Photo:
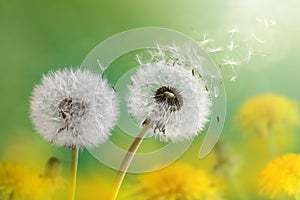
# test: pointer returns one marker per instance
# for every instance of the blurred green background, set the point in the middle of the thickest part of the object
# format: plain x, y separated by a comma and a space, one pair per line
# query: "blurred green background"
38, 36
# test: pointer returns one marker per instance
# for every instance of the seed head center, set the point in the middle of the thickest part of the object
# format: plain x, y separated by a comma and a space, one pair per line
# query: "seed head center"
169, 97
71, 111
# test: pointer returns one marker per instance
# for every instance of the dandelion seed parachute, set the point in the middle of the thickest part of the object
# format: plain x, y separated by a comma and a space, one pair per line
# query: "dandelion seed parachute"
18, 181
74, 108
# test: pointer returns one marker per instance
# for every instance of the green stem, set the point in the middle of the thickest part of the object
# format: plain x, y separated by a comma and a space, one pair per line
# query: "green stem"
238, 188
127, 160
297, 196
73, 173
272, 144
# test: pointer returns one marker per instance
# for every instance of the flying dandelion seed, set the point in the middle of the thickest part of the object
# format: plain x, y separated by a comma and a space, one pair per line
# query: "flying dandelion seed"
232, 63
205, 41
237, 47
214, 50
257, 39
231, 46
266, 22
249, 55
233, 31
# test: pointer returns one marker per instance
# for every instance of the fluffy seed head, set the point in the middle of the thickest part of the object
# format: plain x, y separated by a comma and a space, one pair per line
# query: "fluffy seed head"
74, 108
172, 98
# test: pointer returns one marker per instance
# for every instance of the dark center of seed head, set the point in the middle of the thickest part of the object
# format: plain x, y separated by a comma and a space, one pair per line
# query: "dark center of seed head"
71, 110
169, 97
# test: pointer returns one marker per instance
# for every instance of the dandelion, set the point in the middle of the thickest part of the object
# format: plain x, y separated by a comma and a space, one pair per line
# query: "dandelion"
267, 115
18, 182
75, 109
172, 98
169, 96
281, 176
179, 181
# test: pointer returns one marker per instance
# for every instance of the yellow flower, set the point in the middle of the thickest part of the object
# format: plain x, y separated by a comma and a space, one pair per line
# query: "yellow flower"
18, 182
281, 176
179, 181
267, 113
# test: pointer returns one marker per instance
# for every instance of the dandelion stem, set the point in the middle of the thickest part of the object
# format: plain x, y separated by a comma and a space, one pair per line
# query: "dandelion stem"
127, 160
272, 144
73, 173
297, 195
238, 188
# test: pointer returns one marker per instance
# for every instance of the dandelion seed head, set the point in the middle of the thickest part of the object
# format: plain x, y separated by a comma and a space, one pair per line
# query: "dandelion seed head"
172, 98
74, 108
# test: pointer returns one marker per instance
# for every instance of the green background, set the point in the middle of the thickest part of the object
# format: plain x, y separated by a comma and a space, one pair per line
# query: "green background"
38, 36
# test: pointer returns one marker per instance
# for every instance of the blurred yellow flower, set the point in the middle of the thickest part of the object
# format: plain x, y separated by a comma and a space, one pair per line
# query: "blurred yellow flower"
267, 113
281, 176
179, 181
18, 182
95, 187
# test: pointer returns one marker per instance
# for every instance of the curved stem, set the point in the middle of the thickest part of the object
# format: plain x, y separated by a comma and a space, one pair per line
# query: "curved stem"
73, 173
127, 160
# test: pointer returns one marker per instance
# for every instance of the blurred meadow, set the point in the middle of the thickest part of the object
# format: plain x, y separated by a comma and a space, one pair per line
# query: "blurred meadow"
37, 37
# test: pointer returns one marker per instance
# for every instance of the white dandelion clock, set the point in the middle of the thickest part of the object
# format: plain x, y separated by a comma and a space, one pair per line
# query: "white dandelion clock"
74, 108
173, 98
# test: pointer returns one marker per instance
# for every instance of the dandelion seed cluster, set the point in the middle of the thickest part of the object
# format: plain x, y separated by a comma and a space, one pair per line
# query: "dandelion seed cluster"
172, 98
74, 108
